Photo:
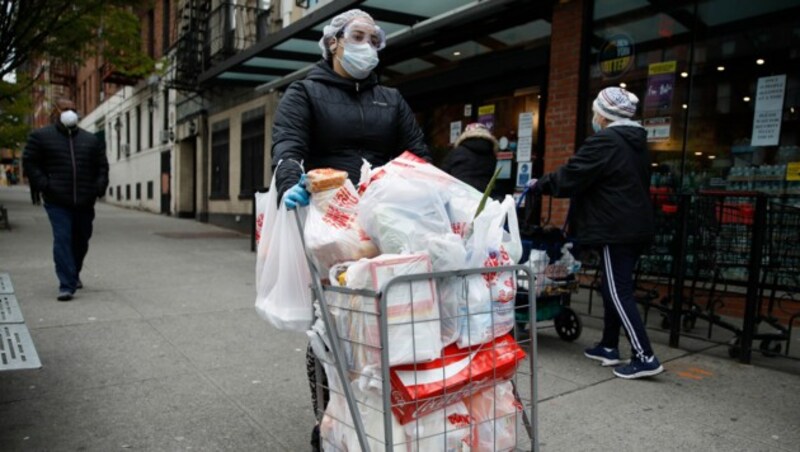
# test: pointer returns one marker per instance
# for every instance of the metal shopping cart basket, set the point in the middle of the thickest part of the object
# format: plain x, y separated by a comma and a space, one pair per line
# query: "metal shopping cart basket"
554, 282
392, 383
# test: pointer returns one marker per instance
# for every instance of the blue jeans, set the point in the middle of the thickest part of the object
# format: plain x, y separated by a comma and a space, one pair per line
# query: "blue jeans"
72, 229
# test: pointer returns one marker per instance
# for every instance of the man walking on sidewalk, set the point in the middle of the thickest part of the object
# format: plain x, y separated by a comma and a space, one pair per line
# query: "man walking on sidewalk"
68, 166
608, 180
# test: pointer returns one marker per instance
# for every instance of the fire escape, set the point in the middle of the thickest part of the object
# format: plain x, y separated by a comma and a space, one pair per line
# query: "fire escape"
189, 58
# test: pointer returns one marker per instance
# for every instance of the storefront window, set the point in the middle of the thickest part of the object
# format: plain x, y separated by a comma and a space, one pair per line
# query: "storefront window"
719, 88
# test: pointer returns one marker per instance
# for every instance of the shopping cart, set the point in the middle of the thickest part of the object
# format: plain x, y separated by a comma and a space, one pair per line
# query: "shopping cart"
555, 283
477, 397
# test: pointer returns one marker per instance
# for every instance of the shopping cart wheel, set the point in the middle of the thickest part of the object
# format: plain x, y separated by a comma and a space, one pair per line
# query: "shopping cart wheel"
770, 348
734, 349
568, 324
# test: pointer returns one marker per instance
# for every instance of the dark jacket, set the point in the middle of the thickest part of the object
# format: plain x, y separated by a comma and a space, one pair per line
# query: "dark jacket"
608, 180
68, 166
473, 162
328, 121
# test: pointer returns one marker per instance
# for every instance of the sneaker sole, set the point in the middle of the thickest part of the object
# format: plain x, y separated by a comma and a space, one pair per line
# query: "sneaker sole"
605, 362
641, 374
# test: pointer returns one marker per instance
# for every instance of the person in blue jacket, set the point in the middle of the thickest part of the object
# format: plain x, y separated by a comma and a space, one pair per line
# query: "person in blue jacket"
608, 180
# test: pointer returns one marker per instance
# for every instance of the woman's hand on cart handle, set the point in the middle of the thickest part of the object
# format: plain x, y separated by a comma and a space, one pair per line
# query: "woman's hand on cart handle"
529, 187
297, 195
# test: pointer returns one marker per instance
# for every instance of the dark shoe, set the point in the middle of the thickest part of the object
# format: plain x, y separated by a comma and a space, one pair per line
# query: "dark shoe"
315, 443
639, 368
64, 296
606, 356
79, 285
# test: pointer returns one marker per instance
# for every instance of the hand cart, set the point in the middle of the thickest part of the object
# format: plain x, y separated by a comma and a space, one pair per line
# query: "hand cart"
368, 395
555, 283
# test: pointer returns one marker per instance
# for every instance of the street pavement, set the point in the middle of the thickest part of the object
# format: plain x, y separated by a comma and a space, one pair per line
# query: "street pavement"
162, 350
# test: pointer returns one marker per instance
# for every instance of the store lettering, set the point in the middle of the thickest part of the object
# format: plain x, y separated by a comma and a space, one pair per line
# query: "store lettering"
617, 64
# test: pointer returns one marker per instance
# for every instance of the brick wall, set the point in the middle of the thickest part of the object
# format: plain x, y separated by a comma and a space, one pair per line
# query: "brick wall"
562, 97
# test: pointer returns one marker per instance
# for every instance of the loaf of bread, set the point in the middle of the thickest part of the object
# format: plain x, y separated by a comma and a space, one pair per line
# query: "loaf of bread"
323, 179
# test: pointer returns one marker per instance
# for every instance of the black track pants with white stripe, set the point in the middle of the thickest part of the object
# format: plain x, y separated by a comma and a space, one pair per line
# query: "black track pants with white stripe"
618, 299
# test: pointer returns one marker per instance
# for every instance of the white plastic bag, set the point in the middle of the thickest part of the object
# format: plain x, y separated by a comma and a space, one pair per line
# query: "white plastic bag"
332, 232
448, 253
487, 308
412, 312
444, 430
283, 295
400, 215
264, 209
498, 416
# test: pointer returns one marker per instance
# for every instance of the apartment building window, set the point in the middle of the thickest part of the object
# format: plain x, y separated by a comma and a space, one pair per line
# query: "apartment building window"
151, 108
252, 162
138, 128
119, 193
128, 127
149, 189
138, 191
127, 192
111, 192
165, 106
220, 156
167, 11
151, 33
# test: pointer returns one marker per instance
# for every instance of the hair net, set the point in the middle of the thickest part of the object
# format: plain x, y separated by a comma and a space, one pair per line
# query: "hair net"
337, 24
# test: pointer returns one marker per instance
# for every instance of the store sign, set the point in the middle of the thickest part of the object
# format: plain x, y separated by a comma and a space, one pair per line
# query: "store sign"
616, 56
660, 85
793, 171
768, 111
455, 131
486, 116
467, 110
524, 149
523, 173
505, 169
658, 129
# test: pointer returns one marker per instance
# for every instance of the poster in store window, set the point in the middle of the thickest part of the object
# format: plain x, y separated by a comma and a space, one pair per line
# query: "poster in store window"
660, 85
658, 129
486, 116
768, 111
455, 131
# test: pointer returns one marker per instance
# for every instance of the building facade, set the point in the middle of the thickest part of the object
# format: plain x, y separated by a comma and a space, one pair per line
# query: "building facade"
718, 83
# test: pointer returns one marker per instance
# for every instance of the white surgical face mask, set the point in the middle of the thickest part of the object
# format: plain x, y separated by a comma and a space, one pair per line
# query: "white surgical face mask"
69, 118
359, 59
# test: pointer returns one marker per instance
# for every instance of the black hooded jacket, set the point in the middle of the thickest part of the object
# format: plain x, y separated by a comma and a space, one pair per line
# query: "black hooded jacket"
473, 162
328, 121
68, 166
608, 180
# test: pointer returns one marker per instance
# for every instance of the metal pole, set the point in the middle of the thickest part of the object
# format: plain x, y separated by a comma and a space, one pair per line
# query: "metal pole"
679, 270
753, 277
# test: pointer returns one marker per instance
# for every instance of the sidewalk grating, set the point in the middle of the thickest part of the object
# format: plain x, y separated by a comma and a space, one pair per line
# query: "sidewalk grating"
5, 283
9, 309
16, 348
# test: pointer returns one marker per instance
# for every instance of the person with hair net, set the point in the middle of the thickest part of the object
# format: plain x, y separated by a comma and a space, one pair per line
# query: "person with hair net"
608, 180
337, 117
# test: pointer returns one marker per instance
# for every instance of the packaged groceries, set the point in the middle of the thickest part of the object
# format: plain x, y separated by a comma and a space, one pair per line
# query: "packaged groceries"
412, 311
332, 232
422, 388
324, 179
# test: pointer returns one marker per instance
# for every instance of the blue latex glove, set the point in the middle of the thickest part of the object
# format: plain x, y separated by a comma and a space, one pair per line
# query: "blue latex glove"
297, 195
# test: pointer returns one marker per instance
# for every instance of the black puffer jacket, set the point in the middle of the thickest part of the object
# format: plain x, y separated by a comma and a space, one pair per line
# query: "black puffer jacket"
328, 121
608, 180
68, 166
473, 162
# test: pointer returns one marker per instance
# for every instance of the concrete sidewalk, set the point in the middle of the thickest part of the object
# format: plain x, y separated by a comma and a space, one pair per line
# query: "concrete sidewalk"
163, 350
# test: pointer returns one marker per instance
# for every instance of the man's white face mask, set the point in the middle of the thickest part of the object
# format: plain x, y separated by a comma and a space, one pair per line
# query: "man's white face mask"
69, 118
